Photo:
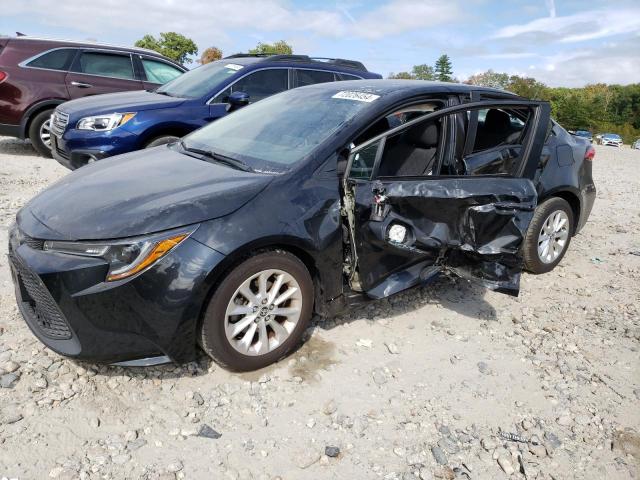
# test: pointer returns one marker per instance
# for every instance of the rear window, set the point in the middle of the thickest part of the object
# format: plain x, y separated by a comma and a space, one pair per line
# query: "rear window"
159, 72
59, 59
106, 65
309, 77
346, 76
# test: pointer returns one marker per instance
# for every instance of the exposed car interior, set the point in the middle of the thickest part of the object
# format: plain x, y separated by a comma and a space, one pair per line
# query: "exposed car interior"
411, 152
497, 128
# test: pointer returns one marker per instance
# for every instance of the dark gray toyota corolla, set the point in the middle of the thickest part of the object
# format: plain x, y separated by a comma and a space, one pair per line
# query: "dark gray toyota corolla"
308, 201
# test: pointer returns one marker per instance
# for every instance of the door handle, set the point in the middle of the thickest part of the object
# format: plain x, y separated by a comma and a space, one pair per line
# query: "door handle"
81, 85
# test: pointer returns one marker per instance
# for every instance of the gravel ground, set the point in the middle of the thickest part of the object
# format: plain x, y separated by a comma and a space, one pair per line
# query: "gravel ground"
445, 381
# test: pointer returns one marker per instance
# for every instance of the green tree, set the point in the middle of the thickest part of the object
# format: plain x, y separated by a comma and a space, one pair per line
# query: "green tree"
443, 68
170, 44
401, 76
423, 72
527, 87
278, 48
490, 79
210, 54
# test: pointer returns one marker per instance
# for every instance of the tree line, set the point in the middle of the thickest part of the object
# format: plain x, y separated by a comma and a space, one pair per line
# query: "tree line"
599, 108
180, 48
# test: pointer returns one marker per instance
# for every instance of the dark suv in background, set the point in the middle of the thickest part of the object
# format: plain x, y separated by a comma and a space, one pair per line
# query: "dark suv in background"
91, 129
36, 75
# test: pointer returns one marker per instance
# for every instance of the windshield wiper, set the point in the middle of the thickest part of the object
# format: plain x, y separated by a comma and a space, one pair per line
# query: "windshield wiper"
164, 92
217, 157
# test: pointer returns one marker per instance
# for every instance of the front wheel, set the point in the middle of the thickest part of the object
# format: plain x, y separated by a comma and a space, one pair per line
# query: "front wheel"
163, 140
259, 312
40, 133
548, 236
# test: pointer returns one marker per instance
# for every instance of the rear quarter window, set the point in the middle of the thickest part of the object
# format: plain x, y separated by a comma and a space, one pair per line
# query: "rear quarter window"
59, 59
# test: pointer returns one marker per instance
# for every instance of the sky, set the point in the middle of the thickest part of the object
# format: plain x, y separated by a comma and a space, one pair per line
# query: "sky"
559, 42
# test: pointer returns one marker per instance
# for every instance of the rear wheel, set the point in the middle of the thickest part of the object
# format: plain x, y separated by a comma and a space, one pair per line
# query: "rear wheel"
163, 140
259, 312
40, 133
548, 236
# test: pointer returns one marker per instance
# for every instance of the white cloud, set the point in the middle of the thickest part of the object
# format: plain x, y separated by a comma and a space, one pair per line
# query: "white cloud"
400, 16
201, 18
578, 27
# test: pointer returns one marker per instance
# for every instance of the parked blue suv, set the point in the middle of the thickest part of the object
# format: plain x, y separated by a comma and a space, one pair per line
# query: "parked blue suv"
101, 126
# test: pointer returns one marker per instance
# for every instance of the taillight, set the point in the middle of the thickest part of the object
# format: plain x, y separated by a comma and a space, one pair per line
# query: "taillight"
590, 153
3, 76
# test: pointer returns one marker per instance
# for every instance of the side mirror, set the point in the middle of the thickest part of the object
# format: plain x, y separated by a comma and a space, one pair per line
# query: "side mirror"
238, 100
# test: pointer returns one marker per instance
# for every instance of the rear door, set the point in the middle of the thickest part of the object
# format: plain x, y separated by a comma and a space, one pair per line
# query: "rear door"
432, 209
101, 71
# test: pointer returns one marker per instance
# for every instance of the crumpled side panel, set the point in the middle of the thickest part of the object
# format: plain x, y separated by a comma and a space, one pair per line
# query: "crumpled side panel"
473, 225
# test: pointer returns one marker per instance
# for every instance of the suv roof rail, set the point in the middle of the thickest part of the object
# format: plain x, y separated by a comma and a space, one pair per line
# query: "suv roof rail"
89, 42
353, 64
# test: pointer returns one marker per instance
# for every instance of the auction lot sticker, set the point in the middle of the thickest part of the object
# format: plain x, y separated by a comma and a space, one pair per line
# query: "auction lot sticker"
358, 96
233, 66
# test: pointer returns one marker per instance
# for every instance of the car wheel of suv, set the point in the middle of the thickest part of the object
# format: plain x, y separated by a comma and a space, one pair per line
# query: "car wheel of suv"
162, 141
548, 236
259, 312
40, 133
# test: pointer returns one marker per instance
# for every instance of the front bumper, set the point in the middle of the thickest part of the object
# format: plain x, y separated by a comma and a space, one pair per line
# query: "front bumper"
611, 144
71, 309
76, 148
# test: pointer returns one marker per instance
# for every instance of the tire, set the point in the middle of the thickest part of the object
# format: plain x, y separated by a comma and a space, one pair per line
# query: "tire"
552, 209
162, 141
243, 352
37, 129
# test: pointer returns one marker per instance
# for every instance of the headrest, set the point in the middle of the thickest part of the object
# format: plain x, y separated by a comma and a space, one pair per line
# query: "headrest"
423, 136
497, 121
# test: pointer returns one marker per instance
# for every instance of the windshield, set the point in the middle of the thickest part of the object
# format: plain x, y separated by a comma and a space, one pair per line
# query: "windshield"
612, 136
274, 134
200, 81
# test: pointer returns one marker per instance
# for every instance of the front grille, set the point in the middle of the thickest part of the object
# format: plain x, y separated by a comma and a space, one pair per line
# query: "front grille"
59, 122
34, 243
39, 303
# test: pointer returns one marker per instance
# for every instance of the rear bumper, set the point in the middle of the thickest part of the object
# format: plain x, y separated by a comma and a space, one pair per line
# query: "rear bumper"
70, 308
7, 130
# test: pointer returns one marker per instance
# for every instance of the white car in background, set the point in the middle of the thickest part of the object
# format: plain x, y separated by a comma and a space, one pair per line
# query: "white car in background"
612, 139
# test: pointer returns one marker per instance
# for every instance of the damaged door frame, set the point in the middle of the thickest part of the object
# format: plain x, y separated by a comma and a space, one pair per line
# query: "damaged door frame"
532, 141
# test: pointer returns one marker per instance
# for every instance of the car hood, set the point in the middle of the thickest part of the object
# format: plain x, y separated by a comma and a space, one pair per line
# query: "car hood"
135, 194
121, 102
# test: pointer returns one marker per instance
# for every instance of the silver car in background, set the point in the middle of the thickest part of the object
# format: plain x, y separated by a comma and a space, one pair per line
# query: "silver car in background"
612, 139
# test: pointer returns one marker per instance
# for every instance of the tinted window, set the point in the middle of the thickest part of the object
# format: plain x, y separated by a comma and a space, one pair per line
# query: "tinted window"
258, 85
204, 80
159, 72
55, 60
106, 65
346, 76
309, 77
274, 134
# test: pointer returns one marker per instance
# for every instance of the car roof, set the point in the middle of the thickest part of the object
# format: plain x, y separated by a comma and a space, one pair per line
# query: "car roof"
87, 43
332, 63
409, 87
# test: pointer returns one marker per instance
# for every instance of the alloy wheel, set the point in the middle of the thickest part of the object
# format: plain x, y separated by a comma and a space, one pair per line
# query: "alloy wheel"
45, 133
553, 237
263, 312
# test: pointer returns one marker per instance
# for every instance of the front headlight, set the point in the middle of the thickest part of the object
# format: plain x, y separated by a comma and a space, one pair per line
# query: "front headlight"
104, 123
125, 257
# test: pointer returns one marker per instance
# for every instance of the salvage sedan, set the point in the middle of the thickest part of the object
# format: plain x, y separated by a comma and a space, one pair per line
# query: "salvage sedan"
312, 200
